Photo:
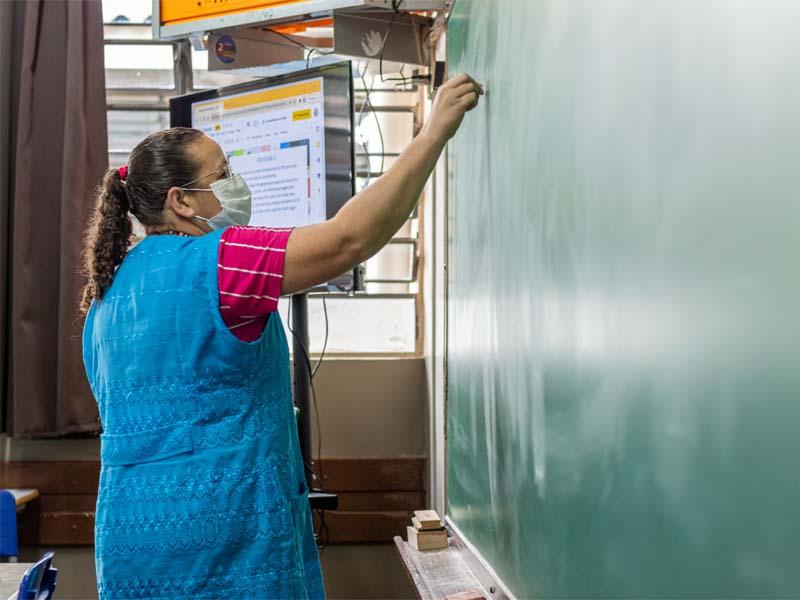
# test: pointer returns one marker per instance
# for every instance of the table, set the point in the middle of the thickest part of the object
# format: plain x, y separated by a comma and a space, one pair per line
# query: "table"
10, 576
22, 497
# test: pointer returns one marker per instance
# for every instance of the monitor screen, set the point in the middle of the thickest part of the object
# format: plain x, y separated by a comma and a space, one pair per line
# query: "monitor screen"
290, 137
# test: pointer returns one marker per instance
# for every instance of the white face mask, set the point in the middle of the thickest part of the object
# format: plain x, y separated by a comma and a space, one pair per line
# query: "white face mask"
234, 196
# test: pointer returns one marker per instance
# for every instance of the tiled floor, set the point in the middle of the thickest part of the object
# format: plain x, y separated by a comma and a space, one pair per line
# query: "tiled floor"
352, 572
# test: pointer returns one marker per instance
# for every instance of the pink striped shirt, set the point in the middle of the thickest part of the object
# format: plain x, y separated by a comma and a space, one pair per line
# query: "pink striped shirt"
250, 275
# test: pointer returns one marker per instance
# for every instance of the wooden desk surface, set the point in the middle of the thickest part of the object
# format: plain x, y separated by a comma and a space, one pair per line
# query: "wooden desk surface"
10, 576
438, 573
23, 496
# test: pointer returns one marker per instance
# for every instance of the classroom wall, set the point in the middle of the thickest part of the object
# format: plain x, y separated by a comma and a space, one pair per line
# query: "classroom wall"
369, 407
372, 407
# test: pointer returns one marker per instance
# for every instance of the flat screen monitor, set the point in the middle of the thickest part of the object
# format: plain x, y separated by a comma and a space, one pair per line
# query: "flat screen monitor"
290, 137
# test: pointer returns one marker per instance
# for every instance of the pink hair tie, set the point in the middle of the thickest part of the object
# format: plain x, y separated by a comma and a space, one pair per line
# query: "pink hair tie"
123, 172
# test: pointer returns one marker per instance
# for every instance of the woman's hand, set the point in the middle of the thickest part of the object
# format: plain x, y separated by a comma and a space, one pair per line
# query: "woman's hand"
457, 96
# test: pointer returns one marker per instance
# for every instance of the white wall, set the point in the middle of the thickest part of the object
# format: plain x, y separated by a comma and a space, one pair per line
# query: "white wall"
372, 407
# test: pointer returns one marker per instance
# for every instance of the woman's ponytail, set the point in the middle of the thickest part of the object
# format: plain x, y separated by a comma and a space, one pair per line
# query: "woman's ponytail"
160, 161
107, 239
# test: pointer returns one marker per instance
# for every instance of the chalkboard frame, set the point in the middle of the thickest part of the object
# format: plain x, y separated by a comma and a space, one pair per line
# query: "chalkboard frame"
482, 570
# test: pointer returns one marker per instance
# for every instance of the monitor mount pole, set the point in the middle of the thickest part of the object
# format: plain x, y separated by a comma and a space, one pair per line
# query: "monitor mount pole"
301, 388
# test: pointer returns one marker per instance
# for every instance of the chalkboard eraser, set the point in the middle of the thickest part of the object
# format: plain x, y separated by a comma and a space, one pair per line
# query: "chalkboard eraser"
427, 519
426, 540
438, 74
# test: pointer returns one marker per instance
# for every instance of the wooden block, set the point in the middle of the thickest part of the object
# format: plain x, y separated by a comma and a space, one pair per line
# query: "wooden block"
423, 527
428, 519
427, 540
466, 595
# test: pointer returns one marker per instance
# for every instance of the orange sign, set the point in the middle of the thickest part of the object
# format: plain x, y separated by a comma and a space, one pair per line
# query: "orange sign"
179, 11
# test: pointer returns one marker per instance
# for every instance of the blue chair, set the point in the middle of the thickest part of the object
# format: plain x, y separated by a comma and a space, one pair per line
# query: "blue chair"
39, 581
8, 526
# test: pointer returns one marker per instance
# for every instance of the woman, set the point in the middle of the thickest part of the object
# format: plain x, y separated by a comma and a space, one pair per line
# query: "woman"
202, 491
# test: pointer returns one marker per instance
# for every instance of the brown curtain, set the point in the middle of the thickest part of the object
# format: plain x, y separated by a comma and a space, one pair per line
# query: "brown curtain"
6, 27
59, 131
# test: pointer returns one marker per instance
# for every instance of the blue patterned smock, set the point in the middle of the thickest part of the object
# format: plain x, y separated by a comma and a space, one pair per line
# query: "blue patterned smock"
202, 493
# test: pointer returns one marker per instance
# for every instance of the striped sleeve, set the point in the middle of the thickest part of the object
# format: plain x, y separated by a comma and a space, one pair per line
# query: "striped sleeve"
250, 276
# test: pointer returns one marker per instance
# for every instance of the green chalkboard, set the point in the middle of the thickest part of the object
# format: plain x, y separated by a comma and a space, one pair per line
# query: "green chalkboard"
624, 297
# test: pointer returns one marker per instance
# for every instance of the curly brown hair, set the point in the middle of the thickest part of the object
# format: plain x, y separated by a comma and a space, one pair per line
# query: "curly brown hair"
160, 161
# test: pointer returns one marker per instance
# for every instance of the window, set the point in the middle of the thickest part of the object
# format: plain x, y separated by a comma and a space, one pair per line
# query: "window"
141, 76
385, 318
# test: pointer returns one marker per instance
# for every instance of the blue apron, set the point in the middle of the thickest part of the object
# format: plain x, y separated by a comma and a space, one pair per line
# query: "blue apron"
202, 493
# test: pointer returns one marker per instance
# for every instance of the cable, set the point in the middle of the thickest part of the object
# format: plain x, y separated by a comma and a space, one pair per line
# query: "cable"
311, 53
361, 76
303, 46
377, 122
395, 7
361, 118
323, 526
323, 531
291, 39
312, 372
320, 477
313, 391
325, 343
403, 75
308, 57
396, 10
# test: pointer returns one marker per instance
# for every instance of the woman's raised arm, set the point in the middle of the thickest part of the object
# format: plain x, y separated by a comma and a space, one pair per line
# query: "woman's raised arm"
318, 253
